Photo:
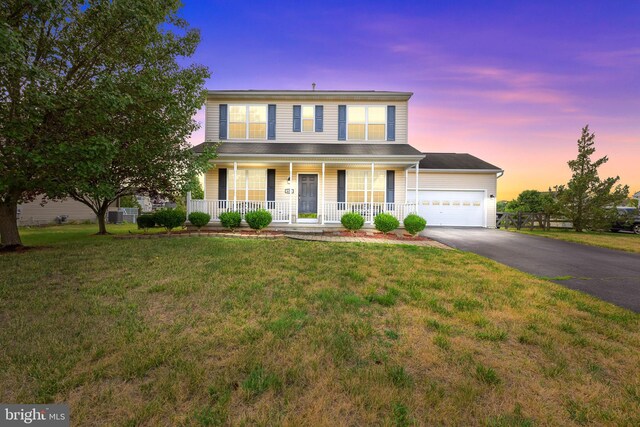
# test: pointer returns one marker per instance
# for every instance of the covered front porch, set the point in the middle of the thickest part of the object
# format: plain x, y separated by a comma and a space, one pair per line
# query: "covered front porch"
308, 193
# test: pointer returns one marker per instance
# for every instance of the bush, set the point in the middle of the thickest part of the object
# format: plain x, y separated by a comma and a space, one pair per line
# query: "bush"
258, 219
170, 218
230, 220
146, 221
199, 219
385, 222
352, 221
414, 224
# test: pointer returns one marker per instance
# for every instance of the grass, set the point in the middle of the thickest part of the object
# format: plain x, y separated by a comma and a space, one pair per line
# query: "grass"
627, 242
213, 331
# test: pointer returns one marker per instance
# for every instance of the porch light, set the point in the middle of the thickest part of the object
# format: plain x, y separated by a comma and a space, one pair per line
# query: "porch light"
492, 196
288, 180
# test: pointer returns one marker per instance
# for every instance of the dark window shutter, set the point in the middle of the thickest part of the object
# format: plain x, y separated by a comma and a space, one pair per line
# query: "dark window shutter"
319, 117
342, 122
391, 122
271, 186
342, 188
297, 118
222, 187
391, 187
271, 122
222, 131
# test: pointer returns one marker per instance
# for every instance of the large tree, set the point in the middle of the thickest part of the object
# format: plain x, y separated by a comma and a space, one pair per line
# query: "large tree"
588, 201
70, 71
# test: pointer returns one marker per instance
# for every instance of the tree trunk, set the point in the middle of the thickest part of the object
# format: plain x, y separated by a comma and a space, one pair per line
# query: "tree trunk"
9, 235
102, 224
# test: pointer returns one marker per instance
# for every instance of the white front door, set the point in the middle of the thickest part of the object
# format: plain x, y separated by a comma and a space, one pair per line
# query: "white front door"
451, 208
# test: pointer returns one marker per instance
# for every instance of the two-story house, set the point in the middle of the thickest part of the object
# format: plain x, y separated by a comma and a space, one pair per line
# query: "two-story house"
310, 156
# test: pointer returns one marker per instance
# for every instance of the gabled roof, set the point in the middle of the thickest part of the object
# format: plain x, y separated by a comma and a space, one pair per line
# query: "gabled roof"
310, 94
274, 149
456, 161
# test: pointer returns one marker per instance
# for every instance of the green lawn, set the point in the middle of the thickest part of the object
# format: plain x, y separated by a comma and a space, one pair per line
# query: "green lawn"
210, 331
622, 241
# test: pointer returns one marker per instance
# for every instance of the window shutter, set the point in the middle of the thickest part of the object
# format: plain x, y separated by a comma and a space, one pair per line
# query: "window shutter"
319, 117
271, 186
222, 188
391, 122
297, 118
391, 188
222, 128
342, 188
342, 122
271, 122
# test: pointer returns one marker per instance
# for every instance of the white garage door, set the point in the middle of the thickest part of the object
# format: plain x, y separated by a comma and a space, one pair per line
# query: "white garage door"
452, 208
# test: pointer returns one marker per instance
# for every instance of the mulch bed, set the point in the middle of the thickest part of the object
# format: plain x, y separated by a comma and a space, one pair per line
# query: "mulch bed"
377, 235
203, 233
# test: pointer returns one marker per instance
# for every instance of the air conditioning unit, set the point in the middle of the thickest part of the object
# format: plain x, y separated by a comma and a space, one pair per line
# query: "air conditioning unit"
115, 217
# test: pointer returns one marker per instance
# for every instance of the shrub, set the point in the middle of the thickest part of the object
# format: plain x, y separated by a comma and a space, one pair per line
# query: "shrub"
258, 219
199, 219
352, 221
414, 224
170, 218
230, 220
385, 222
146, 221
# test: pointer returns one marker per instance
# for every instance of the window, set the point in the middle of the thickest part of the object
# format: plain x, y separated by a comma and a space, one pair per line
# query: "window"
247, 122
359, 186
308, 118
252, 184
366, 123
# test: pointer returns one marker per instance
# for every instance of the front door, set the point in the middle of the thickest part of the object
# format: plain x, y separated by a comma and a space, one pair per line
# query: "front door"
307, 194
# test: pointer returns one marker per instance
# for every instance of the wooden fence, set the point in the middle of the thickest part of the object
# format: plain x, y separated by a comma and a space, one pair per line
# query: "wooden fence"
531, 220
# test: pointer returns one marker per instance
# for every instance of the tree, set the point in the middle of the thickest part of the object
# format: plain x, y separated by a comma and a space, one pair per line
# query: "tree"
533, 201
68, 76
587, 200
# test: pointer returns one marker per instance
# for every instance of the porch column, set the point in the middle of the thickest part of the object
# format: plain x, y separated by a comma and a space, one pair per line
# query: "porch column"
371, 202
406, 185
290, 191
322, 217
417, 171
235, 185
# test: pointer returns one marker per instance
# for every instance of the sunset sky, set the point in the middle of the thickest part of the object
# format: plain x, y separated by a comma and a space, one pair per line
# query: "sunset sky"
509, 82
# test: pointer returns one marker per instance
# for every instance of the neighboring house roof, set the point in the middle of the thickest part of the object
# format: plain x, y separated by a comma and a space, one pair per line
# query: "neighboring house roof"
279, 149
637, 195
310, 94
456, 161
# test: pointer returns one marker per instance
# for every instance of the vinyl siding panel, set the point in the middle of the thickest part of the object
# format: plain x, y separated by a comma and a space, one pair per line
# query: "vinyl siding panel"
461, 181
34, 214
284, 121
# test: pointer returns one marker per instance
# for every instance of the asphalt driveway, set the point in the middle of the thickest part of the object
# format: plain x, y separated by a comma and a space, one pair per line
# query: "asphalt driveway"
608, 274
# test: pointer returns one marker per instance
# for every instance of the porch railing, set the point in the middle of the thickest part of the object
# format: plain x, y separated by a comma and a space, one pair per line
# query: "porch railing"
279, 210
333, 211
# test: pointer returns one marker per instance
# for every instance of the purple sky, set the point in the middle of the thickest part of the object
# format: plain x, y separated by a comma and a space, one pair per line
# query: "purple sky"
510, 82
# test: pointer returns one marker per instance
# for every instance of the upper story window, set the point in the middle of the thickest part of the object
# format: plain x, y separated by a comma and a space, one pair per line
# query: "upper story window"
308, 118
366, 122
247, 121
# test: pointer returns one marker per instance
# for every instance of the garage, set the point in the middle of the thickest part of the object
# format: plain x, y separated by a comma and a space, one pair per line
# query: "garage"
452, 208
455, 190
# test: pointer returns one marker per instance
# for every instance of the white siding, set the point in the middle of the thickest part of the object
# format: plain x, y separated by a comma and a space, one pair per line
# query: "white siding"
34, 214
284, 121
461, 181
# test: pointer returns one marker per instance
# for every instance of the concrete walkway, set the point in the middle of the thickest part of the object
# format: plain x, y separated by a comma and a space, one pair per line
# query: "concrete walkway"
345, 239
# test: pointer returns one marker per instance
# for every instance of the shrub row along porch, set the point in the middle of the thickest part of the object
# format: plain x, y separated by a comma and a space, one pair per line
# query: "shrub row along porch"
308, 192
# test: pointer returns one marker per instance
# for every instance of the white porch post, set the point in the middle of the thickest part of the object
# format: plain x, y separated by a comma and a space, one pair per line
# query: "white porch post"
188, 203
322, 217
235, 185
290, 188
371, 202
417, 171
406, 185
